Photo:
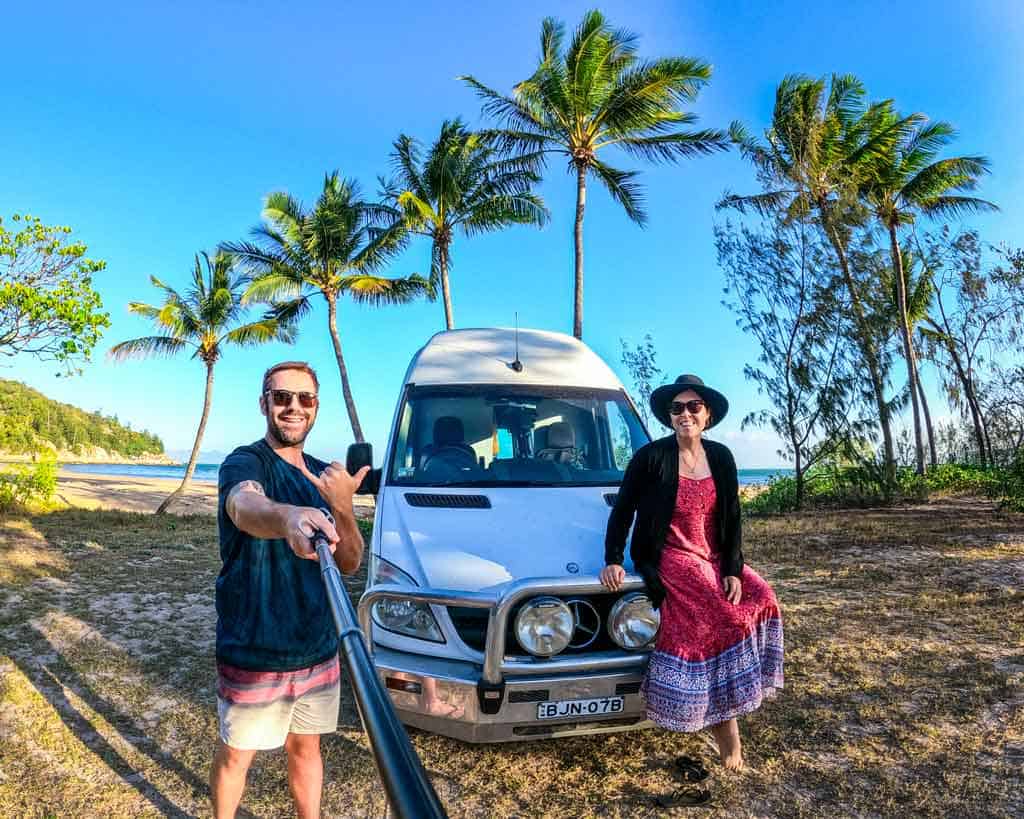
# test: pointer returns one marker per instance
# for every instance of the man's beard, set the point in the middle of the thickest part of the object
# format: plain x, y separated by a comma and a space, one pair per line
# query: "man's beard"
287, 437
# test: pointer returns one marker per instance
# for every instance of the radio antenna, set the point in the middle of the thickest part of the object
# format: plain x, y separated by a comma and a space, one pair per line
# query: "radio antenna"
517, 365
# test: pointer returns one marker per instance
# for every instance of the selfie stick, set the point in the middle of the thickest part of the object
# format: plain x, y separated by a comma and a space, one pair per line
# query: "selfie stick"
410, 793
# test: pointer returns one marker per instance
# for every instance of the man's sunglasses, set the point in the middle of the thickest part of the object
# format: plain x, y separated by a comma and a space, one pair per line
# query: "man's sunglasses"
692, 407
283, 398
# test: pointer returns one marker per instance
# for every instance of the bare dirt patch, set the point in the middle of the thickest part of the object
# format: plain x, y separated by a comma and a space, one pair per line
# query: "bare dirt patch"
904, 693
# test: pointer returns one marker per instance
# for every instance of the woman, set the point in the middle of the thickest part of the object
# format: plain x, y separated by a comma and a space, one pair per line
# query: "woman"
719, 648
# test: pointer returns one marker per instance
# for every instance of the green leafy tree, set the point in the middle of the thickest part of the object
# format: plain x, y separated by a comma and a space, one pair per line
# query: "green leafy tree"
978, 308
461, 184
334, 249
642, 363
598, 94
48, 308
908, 180
203, 320
777, 284
813, 160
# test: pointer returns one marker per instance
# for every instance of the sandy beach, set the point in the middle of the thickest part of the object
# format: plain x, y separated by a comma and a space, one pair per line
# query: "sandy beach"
131, 494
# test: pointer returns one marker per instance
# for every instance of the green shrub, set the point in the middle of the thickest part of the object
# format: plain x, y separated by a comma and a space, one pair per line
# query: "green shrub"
961, 478
842, 485
777, 499
21, 484
1011, 489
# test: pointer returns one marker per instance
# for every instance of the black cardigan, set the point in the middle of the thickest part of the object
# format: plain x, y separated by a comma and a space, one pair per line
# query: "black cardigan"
648, 493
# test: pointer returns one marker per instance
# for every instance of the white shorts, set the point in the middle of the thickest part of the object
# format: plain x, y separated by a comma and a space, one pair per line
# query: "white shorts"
258, 709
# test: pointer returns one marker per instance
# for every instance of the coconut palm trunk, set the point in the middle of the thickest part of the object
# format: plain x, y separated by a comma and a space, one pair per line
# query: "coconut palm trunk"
446, 293
581, 203
868, 350
908, 344
346, 389
191, 468
933, 459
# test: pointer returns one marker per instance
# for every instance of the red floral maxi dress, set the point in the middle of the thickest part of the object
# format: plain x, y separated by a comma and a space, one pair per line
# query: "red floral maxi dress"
712, 660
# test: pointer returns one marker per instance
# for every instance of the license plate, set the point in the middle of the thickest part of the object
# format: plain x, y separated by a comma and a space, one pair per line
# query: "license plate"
580, 708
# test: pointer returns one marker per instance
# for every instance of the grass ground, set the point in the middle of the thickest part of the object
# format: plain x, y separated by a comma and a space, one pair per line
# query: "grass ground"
904, 692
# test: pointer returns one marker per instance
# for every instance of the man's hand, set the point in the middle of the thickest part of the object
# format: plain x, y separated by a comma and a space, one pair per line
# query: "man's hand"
612, 576
733, 589
300, 525
335, 485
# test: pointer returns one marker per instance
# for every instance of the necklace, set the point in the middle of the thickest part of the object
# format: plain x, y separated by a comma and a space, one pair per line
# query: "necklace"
689, 469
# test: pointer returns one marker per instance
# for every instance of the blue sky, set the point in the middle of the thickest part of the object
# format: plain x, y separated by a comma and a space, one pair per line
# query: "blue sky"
155, 130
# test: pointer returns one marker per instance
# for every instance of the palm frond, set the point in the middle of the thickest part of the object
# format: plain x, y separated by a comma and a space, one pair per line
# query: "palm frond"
498, 212
623, 189
148, 347
290, 312
956, 206
377, 290
260, 332
944, 176
272, 287
675, 146
763, 204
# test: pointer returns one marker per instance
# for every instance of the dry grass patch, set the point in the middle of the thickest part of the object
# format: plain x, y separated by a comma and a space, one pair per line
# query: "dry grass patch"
904, 693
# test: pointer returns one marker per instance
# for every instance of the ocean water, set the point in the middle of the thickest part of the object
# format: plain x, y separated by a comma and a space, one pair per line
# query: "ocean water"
204, 472
208, 472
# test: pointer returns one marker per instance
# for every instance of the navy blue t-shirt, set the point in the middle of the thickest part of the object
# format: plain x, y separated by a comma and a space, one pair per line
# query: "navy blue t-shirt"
272, 610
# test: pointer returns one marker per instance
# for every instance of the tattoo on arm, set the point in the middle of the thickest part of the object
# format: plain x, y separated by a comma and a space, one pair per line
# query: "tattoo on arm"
239, 488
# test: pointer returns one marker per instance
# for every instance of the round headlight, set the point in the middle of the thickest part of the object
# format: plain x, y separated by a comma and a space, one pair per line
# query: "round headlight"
544, 626
633, 622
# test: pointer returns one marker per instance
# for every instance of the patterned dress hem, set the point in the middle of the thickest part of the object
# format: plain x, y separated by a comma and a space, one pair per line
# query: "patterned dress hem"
690, 695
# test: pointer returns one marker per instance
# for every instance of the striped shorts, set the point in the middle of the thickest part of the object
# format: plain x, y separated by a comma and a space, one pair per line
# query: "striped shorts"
258, 709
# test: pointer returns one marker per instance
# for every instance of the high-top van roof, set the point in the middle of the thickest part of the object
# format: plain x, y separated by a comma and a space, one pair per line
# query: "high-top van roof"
485, 356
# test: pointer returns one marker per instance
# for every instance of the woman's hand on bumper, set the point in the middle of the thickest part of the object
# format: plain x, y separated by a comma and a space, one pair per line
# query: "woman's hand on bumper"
733, 589
612, 576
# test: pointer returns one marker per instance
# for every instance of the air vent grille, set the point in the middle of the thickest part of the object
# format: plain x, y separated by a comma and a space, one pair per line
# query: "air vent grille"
435, 501
610, 498
535, 695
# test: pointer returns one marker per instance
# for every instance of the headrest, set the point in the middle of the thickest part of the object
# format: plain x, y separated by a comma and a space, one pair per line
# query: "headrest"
561, 436
448, 430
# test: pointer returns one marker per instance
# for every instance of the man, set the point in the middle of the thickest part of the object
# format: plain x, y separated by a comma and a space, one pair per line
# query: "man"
278, 675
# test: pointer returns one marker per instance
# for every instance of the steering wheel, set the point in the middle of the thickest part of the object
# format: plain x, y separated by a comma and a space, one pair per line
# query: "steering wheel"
452, 456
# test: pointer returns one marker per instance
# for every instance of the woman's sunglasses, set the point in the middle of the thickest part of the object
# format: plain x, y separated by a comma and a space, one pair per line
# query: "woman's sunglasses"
283, 398
693, 407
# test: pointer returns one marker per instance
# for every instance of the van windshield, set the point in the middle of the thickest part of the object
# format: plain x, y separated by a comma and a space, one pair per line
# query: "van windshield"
514, 436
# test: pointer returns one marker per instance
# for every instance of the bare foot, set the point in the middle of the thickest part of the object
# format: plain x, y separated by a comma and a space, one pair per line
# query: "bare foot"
730, 749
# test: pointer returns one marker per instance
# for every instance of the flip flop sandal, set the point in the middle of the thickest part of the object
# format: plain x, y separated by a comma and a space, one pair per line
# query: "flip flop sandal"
684, 798
690, 770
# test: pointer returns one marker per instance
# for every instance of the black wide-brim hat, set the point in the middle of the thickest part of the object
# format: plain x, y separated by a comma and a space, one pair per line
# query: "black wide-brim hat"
662, 397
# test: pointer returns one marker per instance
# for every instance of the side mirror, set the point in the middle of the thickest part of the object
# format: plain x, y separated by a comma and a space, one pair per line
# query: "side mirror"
360, 455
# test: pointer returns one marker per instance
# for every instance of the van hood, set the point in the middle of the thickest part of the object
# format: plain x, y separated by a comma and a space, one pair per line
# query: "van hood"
527, 532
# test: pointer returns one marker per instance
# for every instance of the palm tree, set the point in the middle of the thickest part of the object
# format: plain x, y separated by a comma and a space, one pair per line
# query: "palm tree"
816, 154
598, 94
333, 249
461, 184
907, 180
204, 320
920, 289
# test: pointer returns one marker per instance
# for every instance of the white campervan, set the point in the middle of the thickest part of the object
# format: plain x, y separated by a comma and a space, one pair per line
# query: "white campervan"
483, 608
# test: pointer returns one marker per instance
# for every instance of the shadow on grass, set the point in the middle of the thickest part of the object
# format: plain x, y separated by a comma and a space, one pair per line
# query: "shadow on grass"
119, 539
54, 677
